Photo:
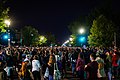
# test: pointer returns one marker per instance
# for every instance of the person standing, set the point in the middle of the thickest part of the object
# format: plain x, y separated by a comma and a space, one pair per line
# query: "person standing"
24, 74
101, 72
63, 61
91, 68
9, 65
114, 65
80, 67
51, 64
73, 62
108, 64
36, 68
3, 74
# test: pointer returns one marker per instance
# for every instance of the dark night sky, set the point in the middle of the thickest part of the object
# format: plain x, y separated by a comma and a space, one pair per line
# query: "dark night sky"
50, 15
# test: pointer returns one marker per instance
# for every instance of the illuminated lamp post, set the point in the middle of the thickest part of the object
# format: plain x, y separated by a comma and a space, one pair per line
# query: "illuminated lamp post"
7, 22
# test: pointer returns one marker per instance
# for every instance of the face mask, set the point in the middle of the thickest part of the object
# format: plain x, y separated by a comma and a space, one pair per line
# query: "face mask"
90, 59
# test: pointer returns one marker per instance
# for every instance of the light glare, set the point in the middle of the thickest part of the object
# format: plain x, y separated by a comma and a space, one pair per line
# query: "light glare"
7, 22
81, 30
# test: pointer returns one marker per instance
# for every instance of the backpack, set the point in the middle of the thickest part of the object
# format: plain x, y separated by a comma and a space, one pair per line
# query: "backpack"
100, 65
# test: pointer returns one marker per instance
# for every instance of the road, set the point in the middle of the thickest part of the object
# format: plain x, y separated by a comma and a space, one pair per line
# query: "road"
69, 76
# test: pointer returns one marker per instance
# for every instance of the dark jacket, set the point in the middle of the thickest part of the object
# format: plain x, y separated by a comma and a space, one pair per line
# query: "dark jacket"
92, 70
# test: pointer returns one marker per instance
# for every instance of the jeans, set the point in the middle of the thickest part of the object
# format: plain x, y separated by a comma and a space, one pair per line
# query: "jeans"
50, 77
109, 74
73, 68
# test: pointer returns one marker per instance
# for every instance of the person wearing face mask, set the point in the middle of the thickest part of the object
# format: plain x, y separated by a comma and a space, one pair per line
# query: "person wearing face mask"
91, 68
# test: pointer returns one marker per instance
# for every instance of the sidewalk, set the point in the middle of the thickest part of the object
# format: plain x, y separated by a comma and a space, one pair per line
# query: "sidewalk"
69, 76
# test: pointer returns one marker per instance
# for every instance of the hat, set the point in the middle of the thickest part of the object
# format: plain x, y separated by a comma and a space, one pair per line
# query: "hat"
25, 60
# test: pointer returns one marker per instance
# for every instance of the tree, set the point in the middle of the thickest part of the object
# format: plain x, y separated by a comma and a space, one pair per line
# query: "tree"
41, 40
73, 27
101, 32
76, 25
3, 15
30, 35
73, 41
110, 12
50, 39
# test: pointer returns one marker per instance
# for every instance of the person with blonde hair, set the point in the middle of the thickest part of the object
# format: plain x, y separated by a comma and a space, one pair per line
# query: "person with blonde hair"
101, 71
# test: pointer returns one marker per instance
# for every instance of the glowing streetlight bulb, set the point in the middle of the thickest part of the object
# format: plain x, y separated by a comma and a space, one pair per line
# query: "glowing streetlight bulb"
42, 38
7, 22
81, 31
70, 39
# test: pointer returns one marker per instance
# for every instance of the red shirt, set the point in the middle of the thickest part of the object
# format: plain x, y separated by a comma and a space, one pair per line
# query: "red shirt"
114, 60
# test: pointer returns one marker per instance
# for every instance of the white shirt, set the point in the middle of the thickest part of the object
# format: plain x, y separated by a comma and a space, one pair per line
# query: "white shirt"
35, 65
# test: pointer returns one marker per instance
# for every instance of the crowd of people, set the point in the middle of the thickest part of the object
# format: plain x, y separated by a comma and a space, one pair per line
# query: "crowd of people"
37, 63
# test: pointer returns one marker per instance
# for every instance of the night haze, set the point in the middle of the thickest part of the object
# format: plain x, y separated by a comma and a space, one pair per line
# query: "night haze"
50, 16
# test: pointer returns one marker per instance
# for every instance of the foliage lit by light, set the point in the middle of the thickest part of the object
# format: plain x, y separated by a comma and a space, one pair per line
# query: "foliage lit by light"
7, 22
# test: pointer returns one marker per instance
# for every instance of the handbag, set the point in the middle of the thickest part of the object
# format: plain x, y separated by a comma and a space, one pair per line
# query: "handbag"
57, 74
46, 75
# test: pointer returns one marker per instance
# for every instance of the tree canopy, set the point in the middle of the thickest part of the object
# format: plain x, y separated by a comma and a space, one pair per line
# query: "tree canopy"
29, 35
3, 15
50, 39
42, 40
101, 32
73, 41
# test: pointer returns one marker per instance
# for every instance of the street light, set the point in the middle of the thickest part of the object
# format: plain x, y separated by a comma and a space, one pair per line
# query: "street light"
67, 41
5, 37
71, 39
81, 31
82, 38
114, 40
7, 22
42, 38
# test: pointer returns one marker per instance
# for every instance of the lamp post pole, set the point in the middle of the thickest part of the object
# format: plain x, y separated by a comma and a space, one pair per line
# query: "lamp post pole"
114, 40
7, 22
8, 38
81, 31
